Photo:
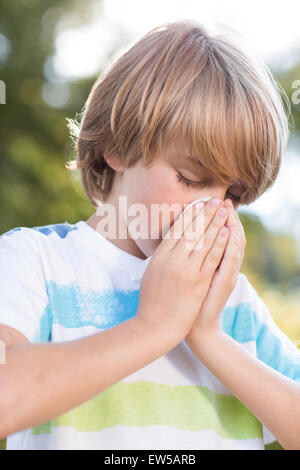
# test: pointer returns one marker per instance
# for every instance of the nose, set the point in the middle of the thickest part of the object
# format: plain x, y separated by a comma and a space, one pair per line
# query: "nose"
218, 190
210, 194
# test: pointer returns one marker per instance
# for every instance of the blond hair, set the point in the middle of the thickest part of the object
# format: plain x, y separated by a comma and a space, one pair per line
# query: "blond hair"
178, 85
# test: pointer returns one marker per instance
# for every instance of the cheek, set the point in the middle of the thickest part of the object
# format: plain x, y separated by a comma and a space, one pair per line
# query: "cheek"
162, 199
163, 206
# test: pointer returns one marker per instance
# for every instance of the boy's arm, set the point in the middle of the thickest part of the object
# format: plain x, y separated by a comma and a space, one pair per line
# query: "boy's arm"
272, 397
50, 379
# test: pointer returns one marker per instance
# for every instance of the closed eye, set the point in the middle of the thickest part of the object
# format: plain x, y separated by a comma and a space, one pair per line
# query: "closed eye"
201, 184
189, 183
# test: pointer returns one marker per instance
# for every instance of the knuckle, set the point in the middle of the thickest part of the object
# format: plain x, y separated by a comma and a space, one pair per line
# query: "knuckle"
212, 257
235, 246
203, 241
220, 240
217, 222
236, 239
201, 246
211, 212
192, 237
236, 253
202, 281
209, 209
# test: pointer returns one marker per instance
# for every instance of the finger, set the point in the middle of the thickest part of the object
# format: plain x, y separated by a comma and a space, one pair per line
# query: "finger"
222, 283
228, 204
206, 241
233, 221
214, 256
242, 235
241, 227
197, 227
176, 231
231, 263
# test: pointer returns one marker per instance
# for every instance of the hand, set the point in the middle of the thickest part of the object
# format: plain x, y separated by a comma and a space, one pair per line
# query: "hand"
179, 274
223, 280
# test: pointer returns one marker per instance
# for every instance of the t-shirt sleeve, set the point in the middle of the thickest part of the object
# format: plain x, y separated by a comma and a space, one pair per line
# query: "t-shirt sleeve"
23, 293
274, 348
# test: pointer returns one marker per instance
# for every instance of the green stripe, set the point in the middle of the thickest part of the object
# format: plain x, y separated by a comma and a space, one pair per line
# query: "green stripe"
273, 446
3, 444
141, 403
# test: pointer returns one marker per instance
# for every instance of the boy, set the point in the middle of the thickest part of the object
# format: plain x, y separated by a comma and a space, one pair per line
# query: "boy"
130, 342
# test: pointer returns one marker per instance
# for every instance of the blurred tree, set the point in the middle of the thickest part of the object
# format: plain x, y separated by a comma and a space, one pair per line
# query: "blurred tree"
36, 188
272, 255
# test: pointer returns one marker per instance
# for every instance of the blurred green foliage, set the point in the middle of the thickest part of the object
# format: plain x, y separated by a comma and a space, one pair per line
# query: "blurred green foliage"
36, 188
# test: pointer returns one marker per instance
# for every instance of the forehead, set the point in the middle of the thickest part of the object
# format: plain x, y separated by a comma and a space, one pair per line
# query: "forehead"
179, 158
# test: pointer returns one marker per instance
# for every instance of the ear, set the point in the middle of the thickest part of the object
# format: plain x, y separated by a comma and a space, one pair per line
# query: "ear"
114, 161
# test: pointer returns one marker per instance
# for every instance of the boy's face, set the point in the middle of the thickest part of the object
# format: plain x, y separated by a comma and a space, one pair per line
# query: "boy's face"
158, 184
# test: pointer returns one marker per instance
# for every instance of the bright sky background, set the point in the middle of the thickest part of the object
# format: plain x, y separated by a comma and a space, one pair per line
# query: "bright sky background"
266, 28
269, 28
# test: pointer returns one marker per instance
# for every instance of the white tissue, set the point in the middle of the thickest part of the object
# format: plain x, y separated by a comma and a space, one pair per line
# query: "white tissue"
198, 200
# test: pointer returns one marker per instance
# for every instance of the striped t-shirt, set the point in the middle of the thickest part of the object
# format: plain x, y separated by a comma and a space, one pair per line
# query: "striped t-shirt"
65, 281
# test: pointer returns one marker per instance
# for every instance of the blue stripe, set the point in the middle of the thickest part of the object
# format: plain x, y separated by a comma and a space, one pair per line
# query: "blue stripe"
61, 230
44, 332
73, 308
238, 322
242, 323
13, 230
270, 350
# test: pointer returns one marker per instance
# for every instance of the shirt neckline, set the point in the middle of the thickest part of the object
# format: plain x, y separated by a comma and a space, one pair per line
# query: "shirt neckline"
134, 265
